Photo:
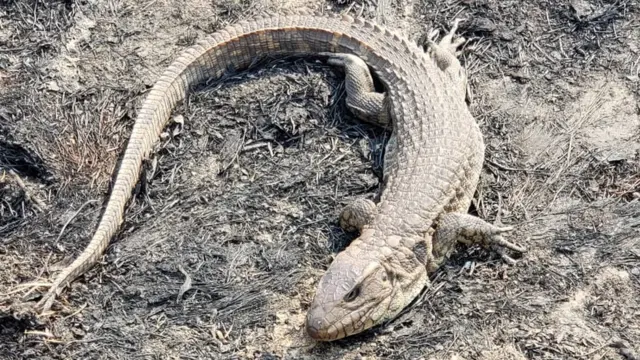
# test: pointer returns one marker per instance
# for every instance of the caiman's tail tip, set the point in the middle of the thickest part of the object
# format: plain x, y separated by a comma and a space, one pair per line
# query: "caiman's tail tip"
44, 305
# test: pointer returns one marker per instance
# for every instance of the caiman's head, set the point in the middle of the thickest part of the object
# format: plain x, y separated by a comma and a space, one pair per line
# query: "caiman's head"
359, 291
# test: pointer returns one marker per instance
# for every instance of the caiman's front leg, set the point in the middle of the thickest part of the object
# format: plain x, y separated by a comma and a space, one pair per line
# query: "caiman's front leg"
357, 214
467, 229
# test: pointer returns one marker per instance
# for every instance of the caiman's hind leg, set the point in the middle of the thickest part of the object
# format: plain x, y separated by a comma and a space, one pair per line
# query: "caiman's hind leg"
362, 99
367, 105
445, 54
455, 227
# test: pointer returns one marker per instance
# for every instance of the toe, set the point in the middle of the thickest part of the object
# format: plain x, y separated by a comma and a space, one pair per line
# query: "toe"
499, 240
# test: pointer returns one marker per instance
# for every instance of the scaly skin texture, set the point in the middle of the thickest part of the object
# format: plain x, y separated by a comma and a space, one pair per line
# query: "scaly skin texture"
432, 164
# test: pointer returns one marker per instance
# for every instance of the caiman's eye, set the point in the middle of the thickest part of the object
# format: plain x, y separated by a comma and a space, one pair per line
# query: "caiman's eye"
351, 295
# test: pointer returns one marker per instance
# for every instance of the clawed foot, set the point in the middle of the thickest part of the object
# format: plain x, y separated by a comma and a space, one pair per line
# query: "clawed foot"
493, 239
47, 300
445, 52
470, 230
362, 98
450, 42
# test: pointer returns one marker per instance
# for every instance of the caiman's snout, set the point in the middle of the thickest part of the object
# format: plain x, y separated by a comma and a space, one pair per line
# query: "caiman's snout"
352, 296
314, 329
317, 326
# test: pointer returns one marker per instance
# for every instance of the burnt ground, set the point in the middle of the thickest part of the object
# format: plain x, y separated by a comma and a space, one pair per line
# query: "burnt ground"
238, 204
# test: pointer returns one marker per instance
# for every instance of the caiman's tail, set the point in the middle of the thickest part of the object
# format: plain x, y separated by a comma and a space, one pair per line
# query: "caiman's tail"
152, 118
234, 48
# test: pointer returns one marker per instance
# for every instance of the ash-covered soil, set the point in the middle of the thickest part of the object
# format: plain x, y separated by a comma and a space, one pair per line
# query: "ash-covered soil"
235, 218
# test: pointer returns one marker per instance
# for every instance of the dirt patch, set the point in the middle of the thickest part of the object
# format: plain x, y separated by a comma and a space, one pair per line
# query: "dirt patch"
243, 191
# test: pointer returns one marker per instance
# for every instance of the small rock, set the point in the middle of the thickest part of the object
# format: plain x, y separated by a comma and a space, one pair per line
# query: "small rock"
264, 238
178, 119
132, 292
281, 318
363, 144
581, 8
616, 157
483, 25
506, 35
78, 333
53, 86
143, 53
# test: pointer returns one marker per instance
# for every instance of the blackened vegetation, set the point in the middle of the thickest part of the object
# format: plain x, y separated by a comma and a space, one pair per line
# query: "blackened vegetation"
35, 28
244, 194
420, 249
15, 157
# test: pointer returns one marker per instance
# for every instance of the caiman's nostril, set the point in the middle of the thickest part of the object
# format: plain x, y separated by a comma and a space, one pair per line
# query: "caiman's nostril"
313, 331
314, 328
314, 323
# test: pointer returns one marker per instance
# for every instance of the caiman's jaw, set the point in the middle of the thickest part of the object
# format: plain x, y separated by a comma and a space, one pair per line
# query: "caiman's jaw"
356, 294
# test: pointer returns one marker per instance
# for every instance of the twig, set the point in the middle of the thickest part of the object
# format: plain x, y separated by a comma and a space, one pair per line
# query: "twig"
71, 219
595, 350
506, 168
37, 203
76, 312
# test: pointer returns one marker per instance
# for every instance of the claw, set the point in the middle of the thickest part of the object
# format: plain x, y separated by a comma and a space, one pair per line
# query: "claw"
506, 258
46, 302
433, 35
498, 244
498, 240
450, 42
454, 27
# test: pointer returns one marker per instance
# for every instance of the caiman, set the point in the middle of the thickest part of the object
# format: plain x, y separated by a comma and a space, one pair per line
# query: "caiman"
432, 162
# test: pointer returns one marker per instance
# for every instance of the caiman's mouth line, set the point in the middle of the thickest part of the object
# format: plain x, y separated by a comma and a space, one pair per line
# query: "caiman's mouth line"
367, 313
